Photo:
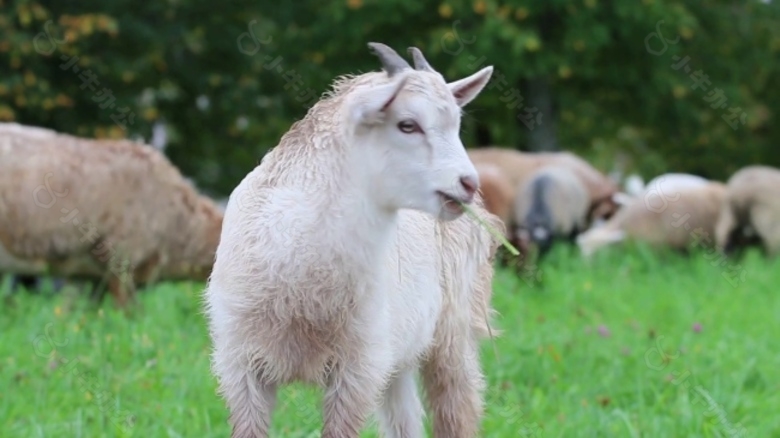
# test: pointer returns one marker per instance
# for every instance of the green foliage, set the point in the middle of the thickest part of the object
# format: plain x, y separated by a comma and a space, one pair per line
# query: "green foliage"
610, 95
611, 348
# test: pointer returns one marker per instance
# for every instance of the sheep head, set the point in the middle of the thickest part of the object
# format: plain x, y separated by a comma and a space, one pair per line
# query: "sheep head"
603, 209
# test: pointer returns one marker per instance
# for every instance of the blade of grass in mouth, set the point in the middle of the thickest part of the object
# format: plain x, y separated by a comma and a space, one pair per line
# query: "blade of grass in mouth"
490, 229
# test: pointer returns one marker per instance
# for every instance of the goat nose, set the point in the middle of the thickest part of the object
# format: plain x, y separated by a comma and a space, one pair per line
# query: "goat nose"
470, 184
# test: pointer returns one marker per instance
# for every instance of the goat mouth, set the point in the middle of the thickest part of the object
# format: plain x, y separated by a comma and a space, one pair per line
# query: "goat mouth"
452, 204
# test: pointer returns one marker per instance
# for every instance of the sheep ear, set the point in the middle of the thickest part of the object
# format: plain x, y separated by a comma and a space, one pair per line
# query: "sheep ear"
369, 105
466, 89
621, 198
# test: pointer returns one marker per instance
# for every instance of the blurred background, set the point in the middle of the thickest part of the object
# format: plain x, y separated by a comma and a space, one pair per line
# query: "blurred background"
217, 86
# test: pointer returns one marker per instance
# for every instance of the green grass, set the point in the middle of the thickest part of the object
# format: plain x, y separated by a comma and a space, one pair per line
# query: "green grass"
558, 372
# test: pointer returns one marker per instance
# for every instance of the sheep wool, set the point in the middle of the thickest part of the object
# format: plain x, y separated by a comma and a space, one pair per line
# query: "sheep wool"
552, 203
519, 166
680, 220
752, 204
100, 209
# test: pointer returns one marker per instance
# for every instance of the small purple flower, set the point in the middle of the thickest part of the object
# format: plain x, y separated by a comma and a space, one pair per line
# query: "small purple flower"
604, 331
697, 327
625, 351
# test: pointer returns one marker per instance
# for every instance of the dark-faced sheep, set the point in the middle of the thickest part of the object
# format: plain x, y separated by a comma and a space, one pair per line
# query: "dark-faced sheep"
750, 213
519, 166
552, 204
110, 210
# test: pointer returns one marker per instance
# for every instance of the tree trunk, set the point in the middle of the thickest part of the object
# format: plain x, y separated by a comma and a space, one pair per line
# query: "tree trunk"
483, 136
541, 133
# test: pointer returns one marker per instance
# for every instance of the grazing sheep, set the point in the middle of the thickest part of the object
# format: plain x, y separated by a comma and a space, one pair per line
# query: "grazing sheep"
672, 181
750, 213
662, 185
333, 270
110, 210
553, 203
657, 189
518, 166
693, 212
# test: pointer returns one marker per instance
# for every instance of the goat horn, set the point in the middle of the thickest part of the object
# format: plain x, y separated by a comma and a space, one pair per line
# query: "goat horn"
391, 60
420, 63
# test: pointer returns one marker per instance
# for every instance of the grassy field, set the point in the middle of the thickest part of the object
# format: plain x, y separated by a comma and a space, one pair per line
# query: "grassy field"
633, 344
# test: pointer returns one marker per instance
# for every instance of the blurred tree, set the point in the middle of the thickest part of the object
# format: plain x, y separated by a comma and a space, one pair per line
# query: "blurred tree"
601, 78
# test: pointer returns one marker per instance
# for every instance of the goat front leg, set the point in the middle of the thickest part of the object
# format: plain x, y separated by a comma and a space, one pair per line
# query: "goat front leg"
453, 384
401, 412
355, 385
249, 397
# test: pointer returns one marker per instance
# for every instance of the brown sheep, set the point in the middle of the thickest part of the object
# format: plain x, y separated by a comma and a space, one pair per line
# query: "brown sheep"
496, 189
750, 213
83, 208
498, 195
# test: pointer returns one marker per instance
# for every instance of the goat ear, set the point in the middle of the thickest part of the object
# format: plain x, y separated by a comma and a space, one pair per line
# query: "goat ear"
466, 89
369, 105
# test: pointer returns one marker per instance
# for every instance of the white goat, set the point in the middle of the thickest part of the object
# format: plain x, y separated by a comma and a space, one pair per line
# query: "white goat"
333, 270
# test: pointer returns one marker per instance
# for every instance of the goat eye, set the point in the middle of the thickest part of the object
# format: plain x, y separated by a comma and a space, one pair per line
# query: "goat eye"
408, 126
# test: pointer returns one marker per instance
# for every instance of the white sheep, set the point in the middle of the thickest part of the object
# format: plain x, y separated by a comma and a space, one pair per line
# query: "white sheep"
678, 222
750, 212
552, 204
332, 268
660, 187
109, 210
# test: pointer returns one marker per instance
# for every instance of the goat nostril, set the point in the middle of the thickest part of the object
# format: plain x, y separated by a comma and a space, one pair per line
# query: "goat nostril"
469, 183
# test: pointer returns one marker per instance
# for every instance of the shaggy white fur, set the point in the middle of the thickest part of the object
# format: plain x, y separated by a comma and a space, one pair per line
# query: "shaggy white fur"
333, 269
